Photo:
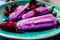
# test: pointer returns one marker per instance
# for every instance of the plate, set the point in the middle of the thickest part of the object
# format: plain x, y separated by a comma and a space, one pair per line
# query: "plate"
28, 35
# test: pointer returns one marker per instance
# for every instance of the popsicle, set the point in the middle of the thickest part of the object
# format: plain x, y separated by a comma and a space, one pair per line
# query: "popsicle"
45, 21
17, 14
41, 10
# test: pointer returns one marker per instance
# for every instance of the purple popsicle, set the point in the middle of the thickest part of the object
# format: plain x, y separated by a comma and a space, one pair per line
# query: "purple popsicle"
45, 21
28, 15
41, 10
17, 14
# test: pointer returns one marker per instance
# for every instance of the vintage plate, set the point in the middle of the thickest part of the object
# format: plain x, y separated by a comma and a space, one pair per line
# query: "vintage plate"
28, 35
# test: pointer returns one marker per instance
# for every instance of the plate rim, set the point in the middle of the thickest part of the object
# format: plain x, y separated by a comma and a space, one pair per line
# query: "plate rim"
25, 38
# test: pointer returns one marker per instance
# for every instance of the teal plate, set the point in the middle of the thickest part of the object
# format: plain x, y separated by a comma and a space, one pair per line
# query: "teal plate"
28, 35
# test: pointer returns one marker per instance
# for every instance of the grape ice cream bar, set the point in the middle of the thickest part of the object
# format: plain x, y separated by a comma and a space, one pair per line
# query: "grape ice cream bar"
41, 10
17, 14
45, 21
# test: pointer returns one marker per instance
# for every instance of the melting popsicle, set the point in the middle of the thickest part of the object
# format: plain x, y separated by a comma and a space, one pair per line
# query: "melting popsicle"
17, 14
41, 10
45, 21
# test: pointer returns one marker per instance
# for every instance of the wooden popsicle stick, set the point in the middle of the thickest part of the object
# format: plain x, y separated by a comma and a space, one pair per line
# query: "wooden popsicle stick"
10, 0
51, 6
27, 4
57, 18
